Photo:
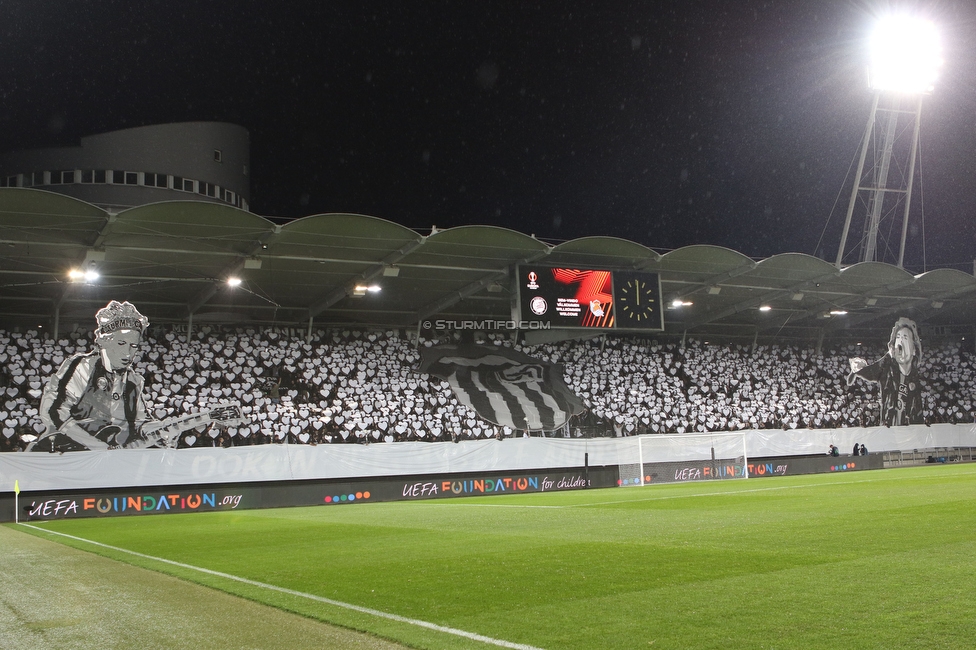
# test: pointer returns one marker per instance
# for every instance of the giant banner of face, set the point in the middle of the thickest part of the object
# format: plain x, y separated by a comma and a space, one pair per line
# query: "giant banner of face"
897, 374
95, 399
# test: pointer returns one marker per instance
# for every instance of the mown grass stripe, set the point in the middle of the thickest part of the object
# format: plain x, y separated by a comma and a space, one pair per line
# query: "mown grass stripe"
300, 594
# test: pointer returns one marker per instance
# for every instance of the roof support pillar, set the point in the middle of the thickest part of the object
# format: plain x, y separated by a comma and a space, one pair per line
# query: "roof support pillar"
57, 309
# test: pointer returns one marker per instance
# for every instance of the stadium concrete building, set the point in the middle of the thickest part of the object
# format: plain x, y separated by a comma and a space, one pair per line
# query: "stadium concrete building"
208, 161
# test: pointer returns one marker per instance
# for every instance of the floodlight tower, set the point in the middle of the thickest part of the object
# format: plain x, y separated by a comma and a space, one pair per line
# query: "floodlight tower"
904, 61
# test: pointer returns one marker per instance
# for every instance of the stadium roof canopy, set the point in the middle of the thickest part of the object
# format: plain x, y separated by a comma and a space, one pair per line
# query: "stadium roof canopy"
173, 259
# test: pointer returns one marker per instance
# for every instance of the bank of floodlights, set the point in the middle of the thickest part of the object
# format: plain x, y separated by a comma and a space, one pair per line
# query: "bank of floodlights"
83, 275
905, 55
904, 59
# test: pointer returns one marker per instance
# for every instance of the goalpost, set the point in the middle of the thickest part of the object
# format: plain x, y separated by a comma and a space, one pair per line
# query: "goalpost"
682, 457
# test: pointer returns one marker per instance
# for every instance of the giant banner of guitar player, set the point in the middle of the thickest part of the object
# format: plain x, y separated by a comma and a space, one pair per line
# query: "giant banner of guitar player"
584, 298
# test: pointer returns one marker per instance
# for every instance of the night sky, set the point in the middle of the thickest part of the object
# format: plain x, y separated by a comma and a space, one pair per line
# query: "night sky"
668, 123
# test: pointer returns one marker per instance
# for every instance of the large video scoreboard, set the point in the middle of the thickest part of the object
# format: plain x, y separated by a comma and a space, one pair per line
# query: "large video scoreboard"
590, 298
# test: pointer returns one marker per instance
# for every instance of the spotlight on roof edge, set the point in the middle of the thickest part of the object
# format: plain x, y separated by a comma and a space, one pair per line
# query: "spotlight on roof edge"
234, 282
905, 55
678, 302
77, 275
361, 289
838, 312
765, 308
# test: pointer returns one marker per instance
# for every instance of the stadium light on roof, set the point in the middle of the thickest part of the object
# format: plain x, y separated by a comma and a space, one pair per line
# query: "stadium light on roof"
79, 275
905, 55
362, 289
234, 282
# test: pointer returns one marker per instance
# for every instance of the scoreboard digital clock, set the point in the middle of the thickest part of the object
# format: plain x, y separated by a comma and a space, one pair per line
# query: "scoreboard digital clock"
565, 297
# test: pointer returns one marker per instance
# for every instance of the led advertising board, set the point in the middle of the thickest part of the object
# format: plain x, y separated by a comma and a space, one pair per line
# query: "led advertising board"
580, 298
590, 298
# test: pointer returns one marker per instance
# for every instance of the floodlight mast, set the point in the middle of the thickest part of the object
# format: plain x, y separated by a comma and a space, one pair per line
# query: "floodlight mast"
905, 60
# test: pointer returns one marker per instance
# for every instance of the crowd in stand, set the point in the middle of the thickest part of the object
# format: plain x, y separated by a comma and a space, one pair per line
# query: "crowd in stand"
363, 386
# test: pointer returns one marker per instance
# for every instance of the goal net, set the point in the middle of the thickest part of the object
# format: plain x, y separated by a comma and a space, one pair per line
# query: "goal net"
682, 457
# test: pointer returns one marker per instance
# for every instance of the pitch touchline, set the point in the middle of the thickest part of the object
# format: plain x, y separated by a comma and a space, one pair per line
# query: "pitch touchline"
679, 496
765, 489
654, 498
498, 505
291, 592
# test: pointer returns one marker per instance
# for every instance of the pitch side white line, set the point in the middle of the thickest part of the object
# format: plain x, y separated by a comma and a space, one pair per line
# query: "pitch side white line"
500, 505
291, 592
733, 493
677, 496
622, 501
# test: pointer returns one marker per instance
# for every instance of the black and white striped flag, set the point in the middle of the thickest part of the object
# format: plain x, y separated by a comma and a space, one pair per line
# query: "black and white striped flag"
504, 386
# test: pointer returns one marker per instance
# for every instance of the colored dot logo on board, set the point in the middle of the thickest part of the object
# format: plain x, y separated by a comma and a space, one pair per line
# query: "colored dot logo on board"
348, 498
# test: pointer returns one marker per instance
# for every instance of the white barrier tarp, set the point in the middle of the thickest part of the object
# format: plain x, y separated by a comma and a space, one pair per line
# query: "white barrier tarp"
159, 467
772, 442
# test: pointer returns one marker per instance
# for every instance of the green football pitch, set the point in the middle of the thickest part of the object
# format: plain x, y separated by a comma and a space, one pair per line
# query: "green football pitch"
881, 559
